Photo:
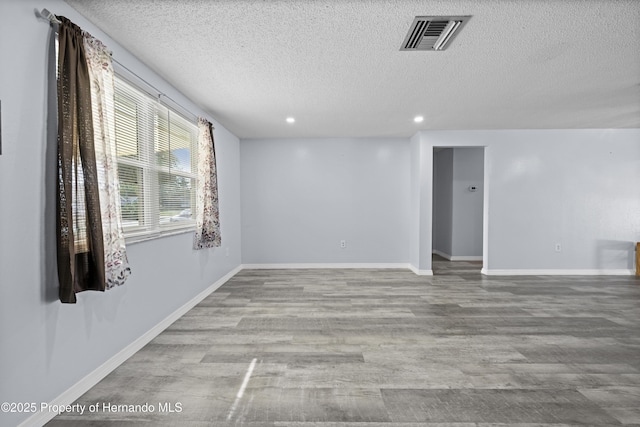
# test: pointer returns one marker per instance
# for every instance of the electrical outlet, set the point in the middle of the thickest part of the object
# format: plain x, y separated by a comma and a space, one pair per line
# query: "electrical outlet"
343, 244
558, 247
226, 252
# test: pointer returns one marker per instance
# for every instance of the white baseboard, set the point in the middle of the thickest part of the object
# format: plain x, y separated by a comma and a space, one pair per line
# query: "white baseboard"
93, 378
457, 257
420, 272
497, 272
466, 258
336, 266
322, 265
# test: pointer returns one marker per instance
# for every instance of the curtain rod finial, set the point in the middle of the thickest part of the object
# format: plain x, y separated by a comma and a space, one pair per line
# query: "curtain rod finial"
49, 16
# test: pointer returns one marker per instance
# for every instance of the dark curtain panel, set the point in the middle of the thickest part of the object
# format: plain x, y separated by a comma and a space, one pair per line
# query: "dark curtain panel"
79, 226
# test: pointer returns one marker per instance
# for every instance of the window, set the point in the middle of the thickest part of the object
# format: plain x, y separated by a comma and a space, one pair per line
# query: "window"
157, 166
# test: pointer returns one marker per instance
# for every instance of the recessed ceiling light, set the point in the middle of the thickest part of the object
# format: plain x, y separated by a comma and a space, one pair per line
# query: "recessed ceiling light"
291, 120
418, 119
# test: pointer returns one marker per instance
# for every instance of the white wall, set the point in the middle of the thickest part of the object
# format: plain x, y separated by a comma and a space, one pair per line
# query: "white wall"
421, 209
578, 188
443, 201
468, 170
300, 197
45, 346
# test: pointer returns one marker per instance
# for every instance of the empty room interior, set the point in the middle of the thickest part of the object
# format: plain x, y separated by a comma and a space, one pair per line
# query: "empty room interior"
320, 213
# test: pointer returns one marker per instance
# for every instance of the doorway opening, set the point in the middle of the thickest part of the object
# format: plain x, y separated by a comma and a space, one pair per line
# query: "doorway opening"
458, 210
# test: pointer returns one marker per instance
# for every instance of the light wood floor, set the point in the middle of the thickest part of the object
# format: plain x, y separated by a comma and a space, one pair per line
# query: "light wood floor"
389, 348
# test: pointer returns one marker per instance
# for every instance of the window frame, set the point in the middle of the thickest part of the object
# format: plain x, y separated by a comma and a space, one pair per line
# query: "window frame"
151, 223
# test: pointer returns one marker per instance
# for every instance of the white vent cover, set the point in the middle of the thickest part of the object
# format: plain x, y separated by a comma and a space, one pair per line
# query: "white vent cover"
433, 32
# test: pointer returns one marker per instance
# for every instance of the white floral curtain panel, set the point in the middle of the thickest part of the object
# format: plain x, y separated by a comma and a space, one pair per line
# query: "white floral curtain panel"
100, 66
207, 214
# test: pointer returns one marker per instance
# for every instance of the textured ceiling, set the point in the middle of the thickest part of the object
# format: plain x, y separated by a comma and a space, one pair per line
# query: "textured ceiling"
337, 68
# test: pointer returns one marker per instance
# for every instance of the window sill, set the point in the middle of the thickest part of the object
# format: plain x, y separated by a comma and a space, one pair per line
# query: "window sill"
144, 237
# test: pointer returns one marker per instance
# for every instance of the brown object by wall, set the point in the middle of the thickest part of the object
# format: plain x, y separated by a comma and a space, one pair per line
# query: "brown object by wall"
638, 259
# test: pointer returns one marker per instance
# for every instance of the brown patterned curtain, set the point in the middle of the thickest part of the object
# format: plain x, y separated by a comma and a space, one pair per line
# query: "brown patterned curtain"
78, 224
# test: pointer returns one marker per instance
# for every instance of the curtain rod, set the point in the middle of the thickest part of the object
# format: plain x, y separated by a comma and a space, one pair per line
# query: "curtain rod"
159, 93
54, 20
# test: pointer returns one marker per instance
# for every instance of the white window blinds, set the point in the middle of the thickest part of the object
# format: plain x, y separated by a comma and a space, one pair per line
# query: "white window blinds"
157, 164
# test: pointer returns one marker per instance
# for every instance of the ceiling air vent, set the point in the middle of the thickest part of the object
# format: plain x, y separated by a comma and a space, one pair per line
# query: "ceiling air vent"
433, 32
